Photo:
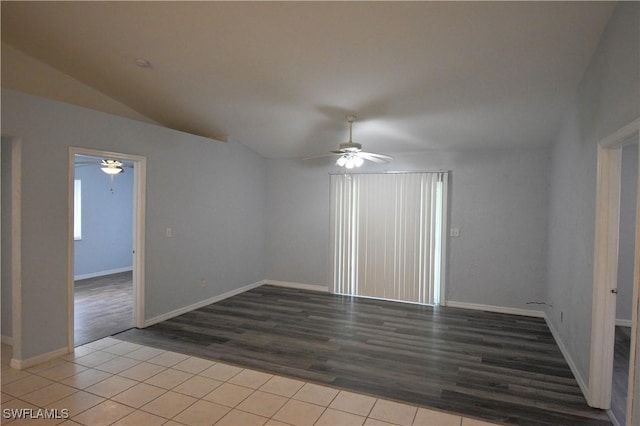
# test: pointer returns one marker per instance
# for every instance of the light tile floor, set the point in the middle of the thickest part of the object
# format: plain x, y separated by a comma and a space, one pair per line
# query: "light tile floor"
110, 382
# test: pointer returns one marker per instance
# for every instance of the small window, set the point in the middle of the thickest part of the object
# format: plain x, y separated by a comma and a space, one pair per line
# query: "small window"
77, 209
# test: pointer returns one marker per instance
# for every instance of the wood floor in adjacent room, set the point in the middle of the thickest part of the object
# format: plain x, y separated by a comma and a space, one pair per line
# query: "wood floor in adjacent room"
498, 367
621, 354
102, 306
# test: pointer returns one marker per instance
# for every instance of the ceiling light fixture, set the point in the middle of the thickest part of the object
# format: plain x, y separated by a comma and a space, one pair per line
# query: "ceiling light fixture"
351, 154
111, 167
349, 161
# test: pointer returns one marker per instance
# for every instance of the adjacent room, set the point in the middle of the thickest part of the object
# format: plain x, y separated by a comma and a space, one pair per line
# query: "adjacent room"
103, 248
418, 213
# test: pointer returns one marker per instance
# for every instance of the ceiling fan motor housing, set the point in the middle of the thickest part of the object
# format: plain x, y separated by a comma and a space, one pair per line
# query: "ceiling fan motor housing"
350, 147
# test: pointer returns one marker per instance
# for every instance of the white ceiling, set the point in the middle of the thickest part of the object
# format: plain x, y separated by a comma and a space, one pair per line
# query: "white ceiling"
280, 77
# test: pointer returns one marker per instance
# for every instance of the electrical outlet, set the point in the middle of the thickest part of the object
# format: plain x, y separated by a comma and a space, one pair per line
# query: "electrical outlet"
203, 283
169, 232
454, 232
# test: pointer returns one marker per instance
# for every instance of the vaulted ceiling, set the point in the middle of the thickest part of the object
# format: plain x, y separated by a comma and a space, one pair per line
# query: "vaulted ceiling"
279, 77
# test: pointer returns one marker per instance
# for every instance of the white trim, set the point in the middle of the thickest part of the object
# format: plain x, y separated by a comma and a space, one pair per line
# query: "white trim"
312, 287
621, 136
7, 340
103, 273
77, 209
624, 323
16, 246
21, 364
605, 268
605, 271
444, 254
497, 309
139, 250
567, 356
633, 411
139, 197
530, 313
200, 304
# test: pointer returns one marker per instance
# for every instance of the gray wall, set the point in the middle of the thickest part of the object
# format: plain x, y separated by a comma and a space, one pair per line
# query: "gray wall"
607, 99
212, 194
107, 221
626, 251
5, 203
498, 199
238, 218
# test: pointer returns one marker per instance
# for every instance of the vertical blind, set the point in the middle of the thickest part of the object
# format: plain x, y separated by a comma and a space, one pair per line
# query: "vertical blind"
386, 235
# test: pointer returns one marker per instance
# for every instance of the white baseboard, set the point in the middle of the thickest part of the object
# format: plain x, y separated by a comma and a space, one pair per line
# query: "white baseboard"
624, 323
200, 304
312, 287
102, 273
7, 340
498, 309
21, 364
531, 313
567, 356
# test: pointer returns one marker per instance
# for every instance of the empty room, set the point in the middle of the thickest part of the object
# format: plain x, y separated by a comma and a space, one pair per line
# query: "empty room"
324, 213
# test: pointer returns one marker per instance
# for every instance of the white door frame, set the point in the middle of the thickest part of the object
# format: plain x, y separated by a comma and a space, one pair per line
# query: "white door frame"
633, 411
16, 249
139, 197
606, 271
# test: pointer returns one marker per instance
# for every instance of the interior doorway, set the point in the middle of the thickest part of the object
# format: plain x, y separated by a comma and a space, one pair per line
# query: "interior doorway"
626, 255
606, 263
6, 251
103, 247
11, 269
106, 268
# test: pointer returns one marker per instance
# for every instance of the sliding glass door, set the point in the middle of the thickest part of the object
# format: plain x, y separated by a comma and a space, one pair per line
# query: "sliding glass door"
387, 235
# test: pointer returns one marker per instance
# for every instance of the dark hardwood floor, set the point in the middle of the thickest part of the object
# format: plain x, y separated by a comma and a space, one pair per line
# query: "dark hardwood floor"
103, 306
620, 383
498, 367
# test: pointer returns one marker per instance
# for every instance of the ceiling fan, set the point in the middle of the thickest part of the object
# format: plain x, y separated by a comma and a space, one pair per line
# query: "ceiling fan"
109, 167
350, 154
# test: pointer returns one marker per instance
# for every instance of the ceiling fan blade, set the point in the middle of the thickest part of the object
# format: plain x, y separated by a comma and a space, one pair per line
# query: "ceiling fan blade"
381, 156
351, 149
370, 158
323, 155
376, 158
87, 163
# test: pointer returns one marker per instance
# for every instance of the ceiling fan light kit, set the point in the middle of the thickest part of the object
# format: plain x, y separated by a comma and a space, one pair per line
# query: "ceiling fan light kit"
351, 154
111, 167
349, 161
